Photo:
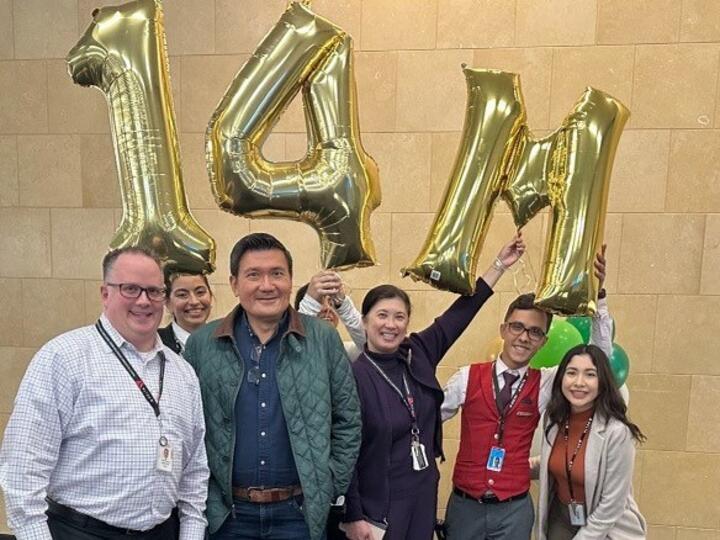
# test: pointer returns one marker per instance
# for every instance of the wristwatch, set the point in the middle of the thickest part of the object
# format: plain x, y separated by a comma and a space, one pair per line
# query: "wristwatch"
602, 293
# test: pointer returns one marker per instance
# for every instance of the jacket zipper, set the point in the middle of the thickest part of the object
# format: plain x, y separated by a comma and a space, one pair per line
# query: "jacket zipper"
234, 428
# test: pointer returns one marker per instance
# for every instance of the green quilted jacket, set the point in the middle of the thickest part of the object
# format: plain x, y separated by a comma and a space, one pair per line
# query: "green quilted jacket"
319, 400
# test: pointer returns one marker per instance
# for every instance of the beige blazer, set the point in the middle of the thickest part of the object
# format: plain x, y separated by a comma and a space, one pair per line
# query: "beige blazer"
609, 458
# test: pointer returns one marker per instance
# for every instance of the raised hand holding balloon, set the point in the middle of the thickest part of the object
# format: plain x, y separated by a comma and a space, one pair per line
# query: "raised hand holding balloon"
568, 170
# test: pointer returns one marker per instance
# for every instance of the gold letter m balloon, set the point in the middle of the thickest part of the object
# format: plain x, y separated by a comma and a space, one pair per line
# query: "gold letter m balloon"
569, 170
335, 187
123, 54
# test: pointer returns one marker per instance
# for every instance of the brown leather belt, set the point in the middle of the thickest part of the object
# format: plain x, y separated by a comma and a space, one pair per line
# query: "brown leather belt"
266, 495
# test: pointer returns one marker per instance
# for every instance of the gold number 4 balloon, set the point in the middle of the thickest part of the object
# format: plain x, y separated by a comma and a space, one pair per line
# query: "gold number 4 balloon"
335, 187
123, 53
569, 171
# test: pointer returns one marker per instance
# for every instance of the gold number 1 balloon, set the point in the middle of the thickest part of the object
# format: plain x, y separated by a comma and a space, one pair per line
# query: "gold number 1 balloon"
569, 170
336, 186
123, 54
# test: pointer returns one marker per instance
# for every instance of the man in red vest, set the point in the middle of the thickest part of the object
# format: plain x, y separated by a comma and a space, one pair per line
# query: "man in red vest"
502, 402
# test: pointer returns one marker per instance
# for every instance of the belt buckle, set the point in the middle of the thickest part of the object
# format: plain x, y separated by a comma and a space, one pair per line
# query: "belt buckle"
253, 489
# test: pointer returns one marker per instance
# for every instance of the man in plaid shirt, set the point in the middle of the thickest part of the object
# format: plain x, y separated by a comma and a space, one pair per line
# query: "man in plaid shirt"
107, 435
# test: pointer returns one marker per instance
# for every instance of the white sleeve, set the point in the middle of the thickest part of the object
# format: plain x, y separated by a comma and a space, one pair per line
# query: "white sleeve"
351, 350
309, 306
602, 328
192, 490
455, 391
547, 376
351, 318
602, 336
34, 433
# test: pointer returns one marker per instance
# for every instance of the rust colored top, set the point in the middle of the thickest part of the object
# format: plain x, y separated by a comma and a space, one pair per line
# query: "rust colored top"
556, 463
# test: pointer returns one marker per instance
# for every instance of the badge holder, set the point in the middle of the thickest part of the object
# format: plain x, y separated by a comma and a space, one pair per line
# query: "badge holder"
164, 455
417, 451
577, 514
495, 459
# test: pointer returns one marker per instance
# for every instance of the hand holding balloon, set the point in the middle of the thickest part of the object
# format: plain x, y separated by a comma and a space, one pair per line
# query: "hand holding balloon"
512, 251
600, 266
508, 255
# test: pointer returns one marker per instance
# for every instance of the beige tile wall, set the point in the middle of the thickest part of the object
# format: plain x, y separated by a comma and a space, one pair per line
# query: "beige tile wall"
59, 200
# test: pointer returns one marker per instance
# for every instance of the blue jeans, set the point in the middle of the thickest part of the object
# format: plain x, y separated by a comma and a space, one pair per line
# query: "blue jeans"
277, 521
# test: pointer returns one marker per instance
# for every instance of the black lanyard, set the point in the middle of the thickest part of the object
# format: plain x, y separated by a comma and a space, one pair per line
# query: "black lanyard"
407, 398
135, 377
569, 463
503, 413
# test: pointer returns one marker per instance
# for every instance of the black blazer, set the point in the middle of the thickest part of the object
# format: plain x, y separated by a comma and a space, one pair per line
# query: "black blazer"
168, 338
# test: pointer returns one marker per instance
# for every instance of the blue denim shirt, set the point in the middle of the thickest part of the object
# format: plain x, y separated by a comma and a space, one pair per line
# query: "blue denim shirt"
263, 456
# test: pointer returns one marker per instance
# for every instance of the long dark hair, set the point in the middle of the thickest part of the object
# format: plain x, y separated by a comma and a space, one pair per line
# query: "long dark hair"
609, 403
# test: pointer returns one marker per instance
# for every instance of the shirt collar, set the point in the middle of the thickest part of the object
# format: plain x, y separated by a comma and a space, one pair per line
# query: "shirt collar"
501, 367
279, 330
180, 333
121, 342
226, 328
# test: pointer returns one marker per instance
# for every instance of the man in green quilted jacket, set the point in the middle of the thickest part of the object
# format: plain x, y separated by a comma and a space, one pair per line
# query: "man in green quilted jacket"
281, 410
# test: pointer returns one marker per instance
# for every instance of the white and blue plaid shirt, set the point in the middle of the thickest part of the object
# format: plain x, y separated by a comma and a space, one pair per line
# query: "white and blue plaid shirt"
82, 434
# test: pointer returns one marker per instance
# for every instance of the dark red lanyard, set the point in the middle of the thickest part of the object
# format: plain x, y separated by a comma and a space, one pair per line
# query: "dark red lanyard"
503, 414
135, 377
571, 461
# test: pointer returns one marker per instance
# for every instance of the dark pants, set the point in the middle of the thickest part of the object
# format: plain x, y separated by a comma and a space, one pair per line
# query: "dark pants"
467, 519
558, 522
412, 514
64, 527
282, 520
333, 532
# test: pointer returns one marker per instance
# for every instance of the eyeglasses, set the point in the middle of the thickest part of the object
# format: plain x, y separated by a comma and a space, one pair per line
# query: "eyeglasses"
133, 291
517, 328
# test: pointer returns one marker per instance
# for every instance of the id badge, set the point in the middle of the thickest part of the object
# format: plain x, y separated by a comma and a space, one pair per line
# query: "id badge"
577, 514
164, 456
419, 457
495, 459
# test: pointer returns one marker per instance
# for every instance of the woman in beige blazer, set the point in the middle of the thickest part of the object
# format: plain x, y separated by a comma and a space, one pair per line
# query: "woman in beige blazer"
588, 434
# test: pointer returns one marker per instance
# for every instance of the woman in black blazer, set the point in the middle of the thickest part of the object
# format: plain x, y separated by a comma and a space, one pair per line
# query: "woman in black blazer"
189, 300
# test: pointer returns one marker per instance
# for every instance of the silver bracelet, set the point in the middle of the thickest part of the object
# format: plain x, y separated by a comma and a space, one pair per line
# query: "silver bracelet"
498, 265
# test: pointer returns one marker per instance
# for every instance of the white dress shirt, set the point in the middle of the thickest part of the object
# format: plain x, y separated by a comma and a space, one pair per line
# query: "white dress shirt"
82, 434
456, 387
181, 335
350, 317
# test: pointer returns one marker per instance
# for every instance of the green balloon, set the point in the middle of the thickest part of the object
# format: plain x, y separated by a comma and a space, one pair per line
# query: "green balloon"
562, 337
583, 325
619, 364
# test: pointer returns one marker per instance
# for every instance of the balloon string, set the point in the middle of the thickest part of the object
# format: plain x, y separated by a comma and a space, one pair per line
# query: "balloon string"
345, 285
526, 272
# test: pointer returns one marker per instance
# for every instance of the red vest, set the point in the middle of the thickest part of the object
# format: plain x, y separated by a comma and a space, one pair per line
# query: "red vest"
480, 420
